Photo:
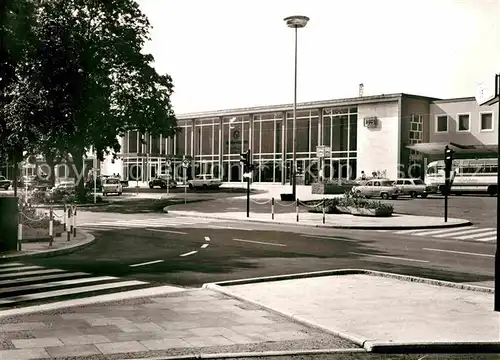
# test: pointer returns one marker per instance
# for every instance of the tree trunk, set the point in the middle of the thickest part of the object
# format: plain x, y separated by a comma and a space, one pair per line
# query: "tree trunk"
78, 169
49, 160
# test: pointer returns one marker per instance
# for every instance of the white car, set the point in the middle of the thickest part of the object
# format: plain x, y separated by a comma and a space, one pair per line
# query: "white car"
383, 188
412, 187
111, 186
205, 181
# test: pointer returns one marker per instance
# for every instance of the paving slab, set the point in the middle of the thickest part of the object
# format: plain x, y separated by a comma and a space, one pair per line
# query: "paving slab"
381, 309
133, 328
397, 221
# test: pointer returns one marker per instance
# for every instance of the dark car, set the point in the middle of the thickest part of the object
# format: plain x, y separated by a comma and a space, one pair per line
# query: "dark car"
4, 183
163, 181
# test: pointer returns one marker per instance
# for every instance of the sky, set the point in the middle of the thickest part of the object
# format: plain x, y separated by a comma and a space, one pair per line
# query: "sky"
226, 54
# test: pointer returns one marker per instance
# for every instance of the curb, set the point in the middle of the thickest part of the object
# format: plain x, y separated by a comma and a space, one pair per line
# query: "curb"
353, 227
367, 344
59, 206
255, 354
89, 240
355, 272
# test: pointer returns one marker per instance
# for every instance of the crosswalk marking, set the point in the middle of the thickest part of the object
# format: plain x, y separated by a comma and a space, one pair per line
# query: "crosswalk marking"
20, 283
471, 233
20, 268
145, 223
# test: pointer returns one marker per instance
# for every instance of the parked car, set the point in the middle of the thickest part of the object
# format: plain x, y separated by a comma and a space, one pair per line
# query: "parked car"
205, 181
4, 183
111, 186
163, 181
412, 187
383, 188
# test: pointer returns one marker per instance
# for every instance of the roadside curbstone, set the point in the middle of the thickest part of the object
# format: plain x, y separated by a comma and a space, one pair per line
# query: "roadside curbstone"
370, 345
89, 240
464, 223
256, 354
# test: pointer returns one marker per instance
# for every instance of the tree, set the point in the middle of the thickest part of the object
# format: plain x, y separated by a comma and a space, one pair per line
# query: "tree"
116, 87
17, 38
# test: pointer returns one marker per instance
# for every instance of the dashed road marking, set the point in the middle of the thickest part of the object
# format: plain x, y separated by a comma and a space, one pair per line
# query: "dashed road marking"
147, 263
168, 231
207, 238
259, 242
204, 246
189, 253
458, 252
390, 257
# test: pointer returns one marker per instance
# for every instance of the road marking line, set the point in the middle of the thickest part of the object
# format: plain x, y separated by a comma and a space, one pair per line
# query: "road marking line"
147, 263
489, 233
426, 232
72, 291
189, 253
464, 232
207, 238
402, 232
21, 268
10, 264
390, 257
324, 237
167, 231
259, 242
458, 252
26, 273
491, 238
56, 284
204, 246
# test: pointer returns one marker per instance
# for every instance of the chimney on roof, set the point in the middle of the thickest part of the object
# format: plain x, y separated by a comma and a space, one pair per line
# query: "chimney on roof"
361, 88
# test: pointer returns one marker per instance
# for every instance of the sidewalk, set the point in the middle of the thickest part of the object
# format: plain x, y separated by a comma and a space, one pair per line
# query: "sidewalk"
60, 246
181, 323
342, 221
382, 311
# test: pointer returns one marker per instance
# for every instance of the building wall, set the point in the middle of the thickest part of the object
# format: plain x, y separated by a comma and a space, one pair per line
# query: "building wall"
415, 125
452, 108
378, 148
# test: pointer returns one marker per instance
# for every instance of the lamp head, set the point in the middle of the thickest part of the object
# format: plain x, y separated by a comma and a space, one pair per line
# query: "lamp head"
296, 21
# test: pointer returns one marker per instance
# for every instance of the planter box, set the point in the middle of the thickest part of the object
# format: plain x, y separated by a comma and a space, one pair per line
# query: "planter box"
344, 209
381, 212
329, 189
287, 197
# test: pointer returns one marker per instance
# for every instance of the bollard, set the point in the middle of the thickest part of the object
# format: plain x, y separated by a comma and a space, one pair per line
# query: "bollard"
65, 222
272, 208
74, 221
51, 226
297, 208
70, 219
20, 233
323, 211
68, 227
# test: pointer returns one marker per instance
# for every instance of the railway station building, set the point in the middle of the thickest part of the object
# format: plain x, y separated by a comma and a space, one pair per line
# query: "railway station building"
392, 135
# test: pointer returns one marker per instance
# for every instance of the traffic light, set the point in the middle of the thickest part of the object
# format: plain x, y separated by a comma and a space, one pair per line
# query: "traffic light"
245, 158
448, 159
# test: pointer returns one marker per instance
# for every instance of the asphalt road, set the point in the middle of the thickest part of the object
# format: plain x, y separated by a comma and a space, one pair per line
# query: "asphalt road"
190, 255
481, 211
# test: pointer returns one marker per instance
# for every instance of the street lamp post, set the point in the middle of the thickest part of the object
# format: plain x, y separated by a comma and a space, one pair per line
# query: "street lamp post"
295, 22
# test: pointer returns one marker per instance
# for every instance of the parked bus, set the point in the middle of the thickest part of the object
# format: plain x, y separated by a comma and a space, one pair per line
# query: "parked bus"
471, 176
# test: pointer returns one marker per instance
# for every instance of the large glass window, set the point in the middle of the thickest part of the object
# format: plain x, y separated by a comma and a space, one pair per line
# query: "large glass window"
256, 133
441, 123
216, 129
353, 131
180, 142
279, 136
155, 144
486, 121
267, 139
133, 142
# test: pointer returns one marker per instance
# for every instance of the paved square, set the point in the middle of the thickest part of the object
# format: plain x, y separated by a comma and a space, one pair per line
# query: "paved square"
196, 321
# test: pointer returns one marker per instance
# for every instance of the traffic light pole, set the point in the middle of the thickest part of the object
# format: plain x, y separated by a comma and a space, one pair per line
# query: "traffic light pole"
248, 197
497, 253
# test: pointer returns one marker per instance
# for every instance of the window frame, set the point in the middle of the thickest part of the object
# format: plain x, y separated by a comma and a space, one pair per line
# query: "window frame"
481, 121
468, 114
436, 123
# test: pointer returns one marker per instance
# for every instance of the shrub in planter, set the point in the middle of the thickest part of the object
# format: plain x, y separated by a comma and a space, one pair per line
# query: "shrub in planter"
330, 206
372, 208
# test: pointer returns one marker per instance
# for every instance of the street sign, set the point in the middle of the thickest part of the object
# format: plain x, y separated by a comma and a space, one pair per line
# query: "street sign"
168, 163
247, 175
323, 151
185, 163
488, 91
